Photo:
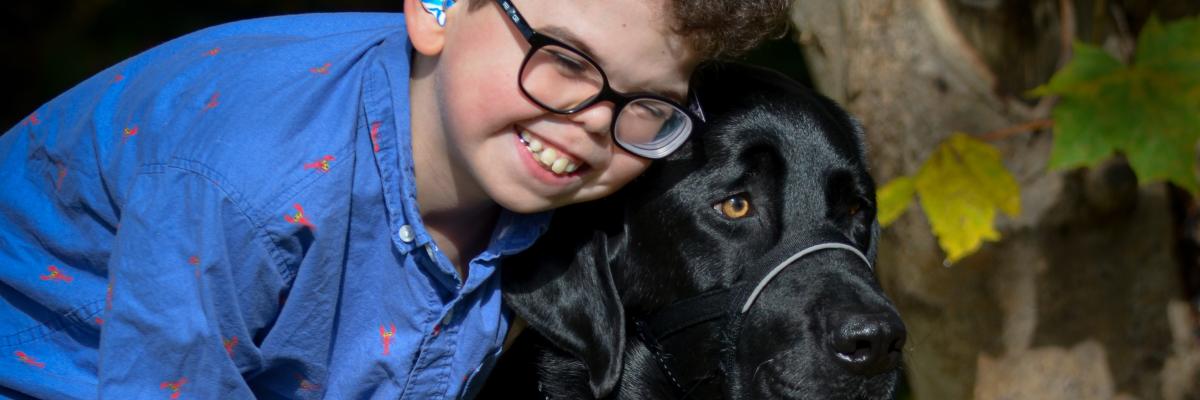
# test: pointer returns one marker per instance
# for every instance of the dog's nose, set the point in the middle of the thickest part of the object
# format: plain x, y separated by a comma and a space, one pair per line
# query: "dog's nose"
868, 344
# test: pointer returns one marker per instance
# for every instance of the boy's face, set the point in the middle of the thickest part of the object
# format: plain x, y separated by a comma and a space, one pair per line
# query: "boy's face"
491, 127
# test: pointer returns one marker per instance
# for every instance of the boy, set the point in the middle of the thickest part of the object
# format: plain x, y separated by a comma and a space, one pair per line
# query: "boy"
292, 207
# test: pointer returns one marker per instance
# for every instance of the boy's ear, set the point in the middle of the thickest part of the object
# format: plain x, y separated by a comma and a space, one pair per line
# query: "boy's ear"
424, 31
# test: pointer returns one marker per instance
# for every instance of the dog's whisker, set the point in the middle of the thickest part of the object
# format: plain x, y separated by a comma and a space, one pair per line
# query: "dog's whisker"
758, 367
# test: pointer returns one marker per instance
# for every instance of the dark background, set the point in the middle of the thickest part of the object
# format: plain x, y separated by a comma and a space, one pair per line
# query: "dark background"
49, 46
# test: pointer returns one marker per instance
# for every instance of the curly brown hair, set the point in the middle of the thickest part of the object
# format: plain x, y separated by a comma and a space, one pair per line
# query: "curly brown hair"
728, 28
722, 28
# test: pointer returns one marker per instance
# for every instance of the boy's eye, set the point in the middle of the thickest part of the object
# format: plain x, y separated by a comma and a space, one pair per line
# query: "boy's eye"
650, 110
734, 207
567, 62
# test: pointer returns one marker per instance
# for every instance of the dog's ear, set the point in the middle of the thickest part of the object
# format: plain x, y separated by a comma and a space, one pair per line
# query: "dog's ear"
873, 248
572, 301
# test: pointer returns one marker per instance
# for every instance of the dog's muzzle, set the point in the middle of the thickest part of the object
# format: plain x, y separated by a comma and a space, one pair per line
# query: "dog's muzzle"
717, 304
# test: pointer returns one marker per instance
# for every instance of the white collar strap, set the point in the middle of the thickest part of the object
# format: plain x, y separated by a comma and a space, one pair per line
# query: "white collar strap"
779, 268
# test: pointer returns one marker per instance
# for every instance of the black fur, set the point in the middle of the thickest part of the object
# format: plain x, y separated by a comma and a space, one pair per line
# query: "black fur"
800, 161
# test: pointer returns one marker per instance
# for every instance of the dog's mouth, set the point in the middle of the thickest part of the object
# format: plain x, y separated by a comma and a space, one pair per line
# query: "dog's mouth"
550, 158
775, 382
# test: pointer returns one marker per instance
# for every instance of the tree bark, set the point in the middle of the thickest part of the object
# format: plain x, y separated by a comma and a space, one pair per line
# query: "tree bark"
1073, 301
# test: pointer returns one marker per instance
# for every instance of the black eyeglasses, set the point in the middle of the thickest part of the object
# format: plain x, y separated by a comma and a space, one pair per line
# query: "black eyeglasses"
564, 80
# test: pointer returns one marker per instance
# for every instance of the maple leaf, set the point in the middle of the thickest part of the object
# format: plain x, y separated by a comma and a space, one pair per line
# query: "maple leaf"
960, 187
1148, 110
894, 198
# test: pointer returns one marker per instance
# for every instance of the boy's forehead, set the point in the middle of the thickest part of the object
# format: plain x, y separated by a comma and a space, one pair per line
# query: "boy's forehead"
631, 39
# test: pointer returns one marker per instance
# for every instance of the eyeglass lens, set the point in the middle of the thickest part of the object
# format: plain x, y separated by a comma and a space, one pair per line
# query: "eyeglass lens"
560, 79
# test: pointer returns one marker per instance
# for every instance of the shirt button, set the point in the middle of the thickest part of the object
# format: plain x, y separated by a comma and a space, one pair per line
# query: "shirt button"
429, 251
406, 233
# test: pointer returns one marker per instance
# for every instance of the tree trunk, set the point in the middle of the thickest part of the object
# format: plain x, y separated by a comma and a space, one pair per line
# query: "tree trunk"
1081, 298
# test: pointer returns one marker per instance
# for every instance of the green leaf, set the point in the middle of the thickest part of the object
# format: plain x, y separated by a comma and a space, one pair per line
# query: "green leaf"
1150, 110
961, 186
894, 198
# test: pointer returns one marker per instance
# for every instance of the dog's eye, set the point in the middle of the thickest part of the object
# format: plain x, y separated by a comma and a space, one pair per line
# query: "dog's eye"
734, 207
855, 207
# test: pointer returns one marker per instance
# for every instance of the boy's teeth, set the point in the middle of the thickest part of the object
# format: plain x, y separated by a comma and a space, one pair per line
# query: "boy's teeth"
559, 166
547, 156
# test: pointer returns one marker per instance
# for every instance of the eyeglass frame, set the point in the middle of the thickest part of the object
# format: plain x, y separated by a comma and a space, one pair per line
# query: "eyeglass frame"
607, 93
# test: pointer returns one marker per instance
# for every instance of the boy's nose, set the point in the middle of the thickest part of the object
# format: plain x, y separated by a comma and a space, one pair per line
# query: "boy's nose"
596, 119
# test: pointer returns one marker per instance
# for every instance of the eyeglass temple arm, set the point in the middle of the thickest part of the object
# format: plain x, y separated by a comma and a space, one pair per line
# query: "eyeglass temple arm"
516, 18
694, 105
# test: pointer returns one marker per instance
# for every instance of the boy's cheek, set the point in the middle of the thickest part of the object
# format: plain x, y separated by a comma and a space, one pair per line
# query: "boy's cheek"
623, 169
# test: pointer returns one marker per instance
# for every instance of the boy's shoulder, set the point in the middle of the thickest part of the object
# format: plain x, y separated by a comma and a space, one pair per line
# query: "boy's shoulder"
302, 25
261, 107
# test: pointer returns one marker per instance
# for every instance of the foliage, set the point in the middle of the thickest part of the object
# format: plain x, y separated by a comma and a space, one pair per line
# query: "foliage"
960, 188
1148, 110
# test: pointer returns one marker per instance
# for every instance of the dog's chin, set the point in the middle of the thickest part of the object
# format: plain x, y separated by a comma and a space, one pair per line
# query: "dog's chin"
772, 382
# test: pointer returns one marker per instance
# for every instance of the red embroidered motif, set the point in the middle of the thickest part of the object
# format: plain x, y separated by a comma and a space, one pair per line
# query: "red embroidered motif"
99, 321
299, 218
195, 262
212, 52
306, 385
118, 78
386, 335
62, 173
212, 101
129, 132
174, 386
229, 343
32, 119
375, 135
56, 275
323, 70
320, 165
25, 358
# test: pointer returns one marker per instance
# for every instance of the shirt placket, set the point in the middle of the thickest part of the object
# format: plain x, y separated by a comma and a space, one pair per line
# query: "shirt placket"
433, 371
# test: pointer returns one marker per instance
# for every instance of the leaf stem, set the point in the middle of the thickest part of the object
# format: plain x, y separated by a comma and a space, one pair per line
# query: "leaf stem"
1005, 133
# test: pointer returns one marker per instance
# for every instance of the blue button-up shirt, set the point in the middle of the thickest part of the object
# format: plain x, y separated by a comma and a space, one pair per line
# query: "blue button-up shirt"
233, 214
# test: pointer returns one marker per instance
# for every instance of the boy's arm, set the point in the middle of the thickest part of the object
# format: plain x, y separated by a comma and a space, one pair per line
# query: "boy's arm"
191, 283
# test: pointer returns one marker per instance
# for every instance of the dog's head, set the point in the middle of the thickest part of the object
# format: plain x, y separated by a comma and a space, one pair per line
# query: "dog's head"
707, 275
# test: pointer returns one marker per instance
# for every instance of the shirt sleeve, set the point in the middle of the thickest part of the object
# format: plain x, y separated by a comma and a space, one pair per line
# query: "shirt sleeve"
192, 282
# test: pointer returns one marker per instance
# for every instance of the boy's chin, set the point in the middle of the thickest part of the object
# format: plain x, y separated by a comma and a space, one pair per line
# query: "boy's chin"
524, 203
530, 203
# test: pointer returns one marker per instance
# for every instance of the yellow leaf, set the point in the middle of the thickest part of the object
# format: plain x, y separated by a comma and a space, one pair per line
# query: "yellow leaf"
960, 186
894, 198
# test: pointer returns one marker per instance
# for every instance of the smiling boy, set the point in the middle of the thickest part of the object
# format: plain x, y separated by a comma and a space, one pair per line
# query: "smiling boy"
315, 205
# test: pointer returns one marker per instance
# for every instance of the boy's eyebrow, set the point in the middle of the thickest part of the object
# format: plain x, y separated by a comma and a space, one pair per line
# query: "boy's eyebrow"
570, 38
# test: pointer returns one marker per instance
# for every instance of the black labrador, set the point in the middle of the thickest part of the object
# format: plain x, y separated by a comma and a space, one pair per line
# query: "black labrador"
738, 268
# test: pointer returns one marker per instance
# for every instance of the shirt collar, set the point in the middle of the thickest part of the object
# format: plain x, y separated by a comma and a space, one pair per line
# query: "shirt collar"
513, 232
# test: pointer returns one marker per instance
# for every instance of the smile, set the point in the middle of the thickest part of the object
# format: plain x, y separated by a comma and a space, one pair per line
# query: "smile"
550, 158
